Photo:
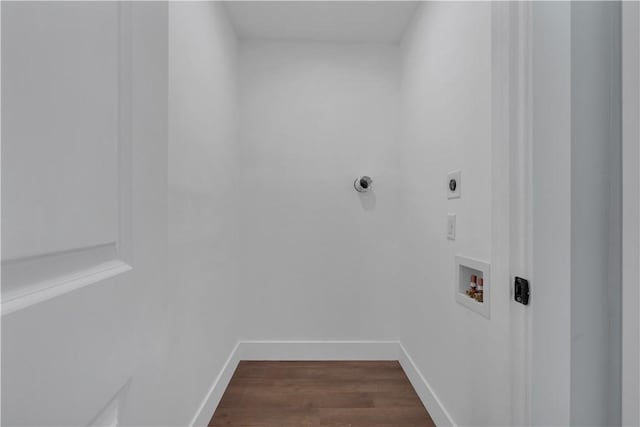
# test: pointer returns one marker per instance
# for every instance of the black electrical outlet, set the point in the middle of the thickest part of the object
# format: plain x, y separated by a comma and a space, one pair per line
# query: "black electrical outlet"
521, 290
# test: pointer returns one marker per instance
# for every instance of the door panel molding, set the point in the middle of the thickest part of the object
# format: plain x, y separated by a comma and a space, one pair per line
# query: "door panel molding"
34, 293
29, 280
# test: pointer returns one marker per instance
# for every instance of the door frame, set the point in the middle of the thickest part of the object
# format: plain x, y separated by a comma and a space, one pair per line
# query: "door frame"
511, 185
630, 213
512, 127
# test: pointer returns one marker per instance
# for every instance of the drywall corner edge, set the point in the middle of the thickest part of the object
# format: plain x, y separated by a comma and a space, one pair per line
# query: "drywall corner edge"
321, 350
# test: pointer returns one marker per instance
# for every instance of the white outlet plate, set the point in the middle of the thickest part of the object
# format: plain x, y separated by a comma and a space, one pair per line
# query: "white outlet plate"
451, 227
456, 177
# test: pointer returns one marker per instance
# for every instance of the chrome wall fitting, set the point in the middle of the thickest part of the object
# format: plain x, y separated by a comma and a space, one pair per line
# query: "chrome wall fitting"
363, 184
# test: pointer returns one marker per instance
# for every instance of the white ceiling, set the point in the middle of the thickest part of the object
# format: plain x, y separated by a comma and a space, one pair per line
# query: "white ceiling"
355, 21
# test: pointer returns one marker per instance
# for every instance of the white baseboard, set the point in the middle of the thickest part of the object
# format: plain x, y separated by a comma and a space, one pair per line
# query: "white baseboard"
426, 394
212, 399
321, 350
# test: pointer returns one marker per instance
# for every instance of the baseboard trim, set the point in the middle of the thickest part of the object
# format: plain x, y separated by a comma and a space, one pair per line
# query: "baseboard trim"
426, 394
212, 399
321, 350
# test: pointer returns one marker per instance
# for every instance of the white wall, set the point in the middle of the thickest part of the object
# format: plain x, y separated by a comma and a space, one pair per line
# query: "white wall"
447, 104
64, 358
318, 260
203, 191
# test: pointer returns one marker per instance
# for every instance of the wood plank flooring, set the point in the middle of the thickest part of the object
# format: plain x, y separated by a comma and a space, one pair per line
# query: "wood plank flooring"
288, 394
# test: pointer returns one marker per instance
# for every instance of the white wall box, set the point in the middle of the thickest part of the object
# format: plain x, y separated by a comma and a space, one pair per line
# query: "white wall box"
465, 268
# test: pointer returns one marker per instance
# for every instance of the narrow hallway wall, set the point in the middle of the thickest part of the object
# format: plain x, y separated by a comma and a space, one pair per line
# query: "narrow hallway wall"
446, 110
203, 192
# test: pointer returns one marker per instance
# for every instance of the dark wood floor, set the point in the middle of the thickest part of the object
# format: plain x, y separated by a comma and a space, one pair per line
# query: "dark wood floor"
287, 394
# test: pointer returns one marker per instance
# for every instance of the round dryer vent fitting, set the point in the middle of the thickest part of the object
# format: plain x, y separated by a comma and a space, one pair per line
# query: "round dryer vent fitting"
363, 184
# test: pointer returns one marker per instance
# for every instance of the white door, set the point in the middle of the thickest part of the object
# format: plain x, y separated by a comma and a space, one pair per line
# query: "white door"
83, 205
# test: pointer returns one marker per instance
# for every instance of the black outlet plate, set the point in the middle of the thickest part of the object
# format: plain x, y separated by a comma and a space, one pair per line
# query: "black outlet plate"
521, 291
